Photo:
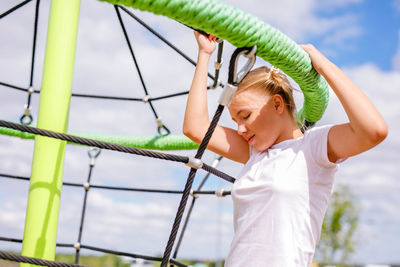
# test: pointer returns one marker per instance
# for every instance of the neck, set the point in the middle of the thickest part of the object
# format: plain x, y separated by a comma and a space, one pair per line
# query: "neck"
290, 131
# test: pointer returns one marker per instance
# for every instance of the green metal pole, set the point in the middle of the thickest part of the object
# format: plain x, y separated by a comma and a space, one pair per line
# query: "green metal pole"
48, 158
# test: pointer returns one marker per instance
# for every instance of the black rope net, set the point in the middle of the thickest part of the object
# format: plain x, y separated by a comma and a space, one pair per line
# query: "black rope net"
194, 163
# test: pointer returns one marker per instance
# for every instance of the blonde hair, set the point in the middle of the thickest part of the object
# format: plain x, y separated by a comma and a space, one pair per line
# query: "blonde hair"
271, 81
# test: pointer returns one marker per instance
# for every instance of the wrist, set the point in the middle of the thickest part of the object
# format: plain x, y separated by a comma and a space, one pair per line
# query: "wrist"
203, 55
326, 67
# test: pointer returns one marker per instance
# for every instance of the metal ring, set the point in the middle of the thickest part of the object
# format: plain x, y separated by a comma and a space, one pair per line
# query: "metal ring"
26, 119
94, 152
163, 130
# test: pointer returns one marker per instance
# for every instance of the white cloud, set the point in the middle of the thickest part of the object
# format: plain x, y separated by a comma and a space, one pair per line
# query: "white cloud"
396, 5
396, 58
346, 30
328, 5
299, 19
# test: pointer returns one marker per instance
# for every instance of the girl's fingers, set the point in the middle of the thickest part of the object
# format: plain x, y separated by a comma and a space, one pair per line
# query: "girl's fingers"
212, 37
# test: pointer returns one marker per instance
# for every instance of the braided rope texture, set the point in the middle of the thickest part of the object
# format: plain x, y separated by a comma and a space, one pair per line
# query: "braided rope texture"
19, 258
109, 146
188, 186
169, 142
243, 29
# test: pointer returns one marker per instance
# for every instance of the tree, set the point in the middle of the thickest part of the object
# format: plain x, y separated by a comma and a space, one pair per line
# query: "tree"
337, 240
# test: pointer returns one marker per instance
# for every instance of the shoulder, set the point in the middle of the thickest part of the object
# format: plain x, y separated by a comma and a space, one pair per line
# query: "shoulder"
316, 140
318, 131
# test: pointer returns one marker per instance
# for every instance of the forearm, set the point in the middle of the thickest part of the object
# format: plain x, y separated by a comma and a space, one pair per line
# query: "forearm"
196, 114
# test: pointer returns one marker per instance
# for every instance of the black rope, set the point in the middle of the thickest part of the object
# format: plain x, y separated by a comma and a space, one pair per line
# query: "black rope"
13, 240
104, 250
109, 146
102, 96
91, 166
134, 58
162, 38
36, 261
138, 256
34, 42
144, 190
218, 64
188, 186
14, 8
15, 87
178, 244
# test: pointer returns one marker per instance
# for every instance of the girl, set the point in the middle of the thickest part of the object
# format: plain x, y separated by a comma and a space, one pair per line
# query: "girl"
281, 194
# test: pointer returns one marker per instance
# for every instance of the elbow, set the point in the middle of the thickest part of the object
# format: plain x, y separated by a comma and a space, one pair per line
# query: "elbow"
379, 134
191, 134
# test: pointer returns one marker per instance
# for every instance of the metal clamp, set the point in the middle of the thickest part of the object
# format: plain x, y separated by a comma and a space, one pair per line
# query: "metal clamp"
77, 246
216, 161
235, 76
220, 193
31, 90
193, 194
194, 163
217, 64
226, 97
93, 153
86, 186
146, 98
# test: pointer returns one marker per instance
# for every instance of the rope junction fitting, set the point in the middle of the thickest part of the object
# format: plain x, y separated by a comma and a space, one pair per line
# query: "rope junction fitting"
235, 76
194, 163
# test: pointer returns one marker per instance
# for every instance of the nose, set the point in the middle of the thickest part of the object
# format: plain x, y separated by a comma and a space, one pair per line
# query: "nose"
241, 128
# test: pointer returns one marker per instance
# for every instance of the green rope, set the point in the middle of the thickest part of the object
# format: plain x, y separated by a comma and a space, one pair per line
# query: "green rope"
243, 29
169, 142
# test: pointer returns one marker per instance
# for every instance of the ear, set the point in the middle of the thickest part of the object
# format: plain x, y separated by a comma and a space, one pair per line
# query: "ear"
278, 103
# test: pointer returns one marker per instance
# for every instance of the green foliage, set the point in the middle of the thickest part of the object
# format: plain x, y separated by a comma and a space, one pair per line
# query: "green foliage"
337, 241
106, 260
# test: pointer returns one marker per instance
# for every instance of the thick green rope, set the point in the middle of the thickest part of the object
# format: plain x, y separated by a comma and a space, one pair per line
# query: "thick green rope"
169, 142
243, 29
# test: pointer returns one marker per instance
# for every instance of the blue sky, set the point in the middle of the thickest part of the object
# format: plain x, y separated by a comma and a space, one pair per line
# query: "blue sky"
360, 36
377, 40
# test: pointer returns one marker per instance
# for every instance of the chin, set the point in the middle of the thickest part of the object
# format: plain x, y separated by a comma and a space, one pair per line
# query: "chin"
261, 148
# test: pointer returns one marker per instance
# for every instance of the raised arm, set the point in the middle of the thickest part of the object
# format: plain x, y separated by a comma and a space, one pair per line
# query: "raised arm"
224, 141
366, 127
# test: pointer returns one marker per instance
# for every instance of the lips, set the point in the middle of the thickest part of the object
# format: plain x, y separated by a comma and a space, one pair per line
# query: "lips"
250, 139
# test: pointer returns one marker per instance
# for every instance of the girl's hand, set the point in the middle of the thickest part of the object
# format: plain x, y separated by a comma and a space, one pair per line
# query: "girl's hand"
206, 45
318, 60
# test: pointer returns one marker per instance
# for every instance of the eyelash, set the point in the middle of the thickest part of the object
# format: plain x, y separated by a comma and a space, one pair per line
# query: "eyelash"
246, 117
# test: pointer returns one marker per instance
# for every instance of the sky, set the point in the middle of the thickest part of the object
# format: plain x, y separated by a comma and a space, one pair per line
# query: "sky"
361, 36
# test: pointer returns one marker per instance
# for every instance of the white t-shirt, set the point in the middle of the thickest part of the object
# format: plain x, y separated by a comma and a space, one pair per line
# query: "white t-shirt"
279, 199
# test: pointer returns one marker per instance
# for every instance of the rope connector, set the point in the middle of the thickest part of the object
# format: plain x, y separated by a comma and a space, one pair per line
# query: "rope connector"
194, 163
220, 193
93, 153
31, 90
226, 98
193, 194
215, 85
27, 110
216, 161
235, 76
146, 98
77, 246
218, 65
161, 128
86, 186
26, 118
